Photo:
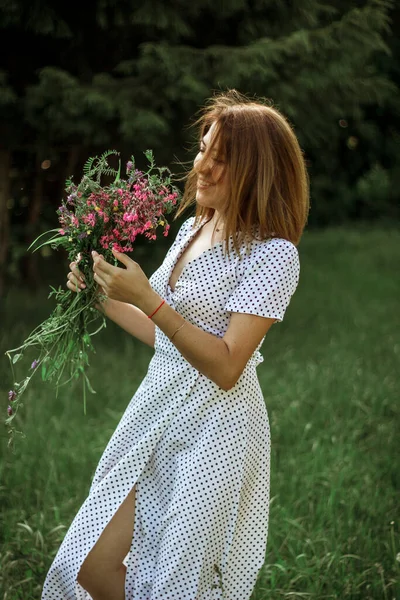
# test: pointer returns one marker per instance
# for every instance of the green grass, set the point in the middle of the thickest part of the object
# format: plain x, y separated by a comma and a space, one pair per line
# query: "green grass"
330, 381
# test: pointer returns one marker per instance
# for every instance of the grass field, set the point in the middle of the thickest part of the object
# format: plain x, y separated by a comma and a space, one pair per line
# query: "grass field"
331, 384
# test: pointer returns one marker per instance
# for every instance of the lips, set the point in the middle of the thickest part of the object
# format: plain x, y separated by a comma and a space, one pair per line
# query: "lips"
204, 184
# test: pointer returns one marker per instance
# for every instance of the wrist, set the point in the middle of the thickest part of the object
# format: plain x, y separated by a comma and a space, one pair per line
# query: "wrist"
151, 302
106, 306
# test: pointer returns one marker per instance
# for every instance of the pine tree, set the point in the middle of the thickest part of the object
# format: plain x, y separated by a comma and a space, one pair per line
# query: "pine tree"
129, 74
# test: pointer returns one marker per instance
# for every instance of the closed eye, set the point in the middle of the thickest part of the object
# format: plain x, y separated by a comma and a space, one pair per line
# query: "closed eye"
202, 150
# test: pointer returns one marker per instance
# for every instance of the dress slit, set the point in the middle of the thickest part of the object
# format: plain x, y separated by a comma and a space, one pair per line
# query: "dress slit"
199, 454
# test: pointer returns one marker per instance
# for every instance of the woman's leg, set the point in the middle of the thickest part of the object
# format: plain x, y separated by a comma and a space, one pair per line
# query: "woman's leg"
102, 573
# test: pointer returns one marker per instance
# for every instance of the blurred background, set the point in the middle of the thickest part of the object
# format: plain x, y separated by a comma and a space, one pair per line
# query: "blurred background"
131, 76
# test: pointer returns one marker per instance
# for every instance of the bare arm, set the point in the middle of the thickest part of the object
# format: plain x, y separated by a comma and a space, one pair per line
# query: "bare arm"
131, 319
220, 359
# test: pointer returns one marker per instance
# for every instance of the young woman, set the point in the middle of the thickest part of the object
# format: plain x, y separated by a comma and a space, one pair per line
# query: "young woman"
178, 506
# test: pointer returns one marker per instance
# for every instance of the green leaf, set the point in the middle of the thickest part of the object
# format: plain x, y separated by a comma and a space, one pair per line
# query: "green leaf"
42, 234
44, 370
16, 357
88, 383
54, 241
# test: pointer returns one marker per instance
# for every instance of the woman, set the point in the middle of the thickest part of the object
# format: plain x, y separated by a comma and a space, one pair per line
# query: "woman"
178, 506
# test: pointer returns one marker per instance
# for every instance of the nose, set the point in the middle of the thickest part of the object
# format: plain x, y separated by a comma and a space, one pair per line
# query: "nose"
202, 165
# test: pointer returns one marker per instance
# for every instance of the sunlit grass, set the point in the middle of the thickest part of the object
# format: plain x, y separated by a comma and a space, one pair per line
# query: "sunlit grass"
330, 381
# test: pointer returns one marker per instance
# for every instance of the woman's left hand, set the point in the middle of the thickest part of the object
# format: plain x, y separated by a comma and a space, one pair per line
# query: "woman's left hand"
125, 285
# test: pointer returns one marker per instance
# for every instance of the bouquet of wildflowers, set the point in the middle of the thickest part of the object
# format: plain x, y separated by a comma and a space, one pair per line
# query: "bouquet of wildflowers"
93, 217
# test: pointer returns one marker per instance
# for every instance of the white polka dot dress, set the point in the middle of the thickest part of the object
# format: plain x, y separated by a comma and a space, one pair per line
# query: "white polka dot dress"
198, 455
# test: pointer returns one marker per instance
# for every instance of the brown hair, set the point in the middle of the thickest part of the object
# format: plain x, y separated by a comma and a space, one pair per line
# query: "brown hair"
268, 178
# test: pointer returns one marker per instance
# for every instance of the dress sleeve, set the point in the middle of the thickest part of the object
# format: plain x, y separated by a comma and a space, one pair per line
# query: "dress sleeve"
270, 279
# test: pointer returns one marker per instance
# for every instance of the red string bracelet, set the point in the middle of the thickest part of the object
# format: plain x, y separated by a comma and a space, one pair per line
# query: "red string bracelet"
149, 316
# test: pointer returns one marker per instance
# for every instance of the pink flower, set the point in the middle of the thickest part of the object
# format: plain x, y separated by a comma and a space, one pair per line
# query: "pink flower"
90, 219
61, 231
129, 217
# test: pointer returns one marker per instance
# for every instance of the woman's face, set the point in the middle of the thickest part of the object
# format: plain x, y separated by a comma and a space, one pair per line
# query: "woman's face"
212, 175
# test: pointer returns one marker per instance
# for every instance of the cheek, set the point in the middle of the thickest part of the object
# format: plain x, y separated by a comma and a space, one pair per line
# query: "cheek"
222, 178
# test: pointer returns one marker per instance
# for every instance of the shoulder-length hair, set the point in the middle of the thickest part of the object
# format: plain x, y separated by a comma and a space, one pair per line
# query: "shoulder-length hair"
268, 180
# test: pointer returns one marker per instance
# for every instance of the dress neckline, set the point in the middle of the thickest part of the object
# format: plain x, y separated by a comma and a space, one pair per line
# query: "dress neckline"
182, 250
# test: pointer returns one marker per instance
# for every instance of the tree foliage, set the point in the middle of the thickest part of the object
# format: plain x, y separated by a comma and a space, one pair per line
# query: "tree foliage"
128, 74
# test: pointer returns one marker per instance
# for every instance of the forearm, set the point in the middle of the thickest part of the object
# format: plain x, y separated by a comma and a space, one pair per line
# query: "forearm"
204, 351
131, 319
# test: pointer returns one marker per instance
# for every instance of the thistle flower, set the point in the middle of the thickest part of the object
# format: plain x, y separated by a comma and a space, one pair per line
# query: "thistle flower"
9, 410
129, 166
12, 395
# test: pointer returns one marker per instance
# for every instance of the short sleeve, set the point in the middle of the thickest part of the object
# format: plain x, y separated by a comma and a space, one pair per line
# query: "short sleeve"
270, 279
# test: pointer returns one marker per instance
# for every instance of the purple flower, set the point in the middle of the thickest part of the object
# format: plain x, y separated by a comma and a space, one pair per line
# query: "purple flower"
71, 198
82, 235
9, 410
62, 209
12, 395
34, 364
129, 166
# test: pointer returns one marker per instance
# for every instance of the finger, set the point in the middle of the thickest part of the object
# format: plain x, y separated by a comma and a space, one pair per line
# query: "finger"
76, 271
75, 281
101, 265
99, 279
73, 287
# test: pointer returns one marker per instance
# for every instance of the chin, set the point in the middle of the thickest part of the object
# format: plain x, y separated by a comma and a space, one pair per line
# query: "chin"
202, 198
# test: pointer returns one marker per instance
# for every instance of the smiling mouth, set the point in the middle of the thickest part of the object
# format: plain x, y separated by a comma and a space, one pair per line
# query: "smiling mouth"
204, 185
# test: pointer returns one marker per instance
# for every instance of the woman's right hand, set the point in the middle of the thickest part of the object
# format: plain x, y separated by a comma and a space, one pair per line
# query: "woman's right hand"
76, 282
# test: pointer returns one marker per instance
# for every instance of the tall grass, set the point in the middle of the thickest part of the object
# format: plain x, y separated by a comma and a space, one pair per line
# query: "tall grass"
331, 384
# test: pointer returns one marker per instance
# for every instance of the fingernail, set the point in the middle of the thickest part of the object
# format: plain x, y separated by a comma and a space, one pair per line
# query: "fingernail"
83, 285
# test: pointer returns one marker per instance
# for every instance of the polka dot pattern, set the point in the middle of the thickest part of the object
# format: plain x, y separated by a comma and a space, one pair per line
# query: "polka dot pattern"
198, 455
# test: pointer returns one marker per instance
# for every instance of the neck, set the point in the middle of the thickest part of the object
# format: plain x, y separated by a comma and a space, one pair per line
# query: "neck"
216, 219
